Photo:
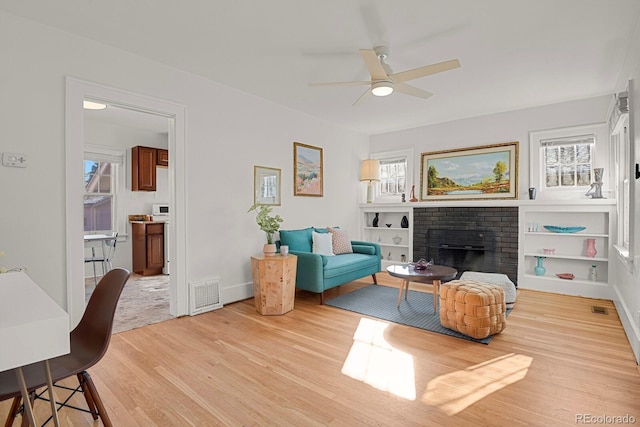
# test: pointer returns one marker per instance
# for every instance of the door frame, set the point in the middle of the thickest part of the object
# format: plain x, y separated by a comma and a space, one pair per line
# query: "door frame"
76, 91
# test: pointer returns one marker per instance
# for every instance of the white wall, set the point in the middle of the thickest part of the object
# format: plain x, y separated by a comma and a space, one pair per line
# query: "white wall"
494, 129
627, 286
227, 132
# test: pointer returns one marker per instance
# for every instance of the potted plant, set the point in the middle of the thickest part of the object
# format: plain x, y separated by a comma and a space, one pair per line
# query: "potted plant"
267, 223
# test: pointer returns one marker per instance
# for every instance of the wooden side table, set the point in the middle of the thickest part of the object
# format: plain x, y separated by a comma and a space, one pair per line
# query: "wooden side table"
274, 283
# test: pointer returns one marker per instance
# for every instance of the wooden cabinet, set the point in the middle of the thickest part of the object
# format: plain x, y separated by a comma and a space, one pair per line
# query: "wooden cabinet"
274, 283
143, 168
162, 157
147, 248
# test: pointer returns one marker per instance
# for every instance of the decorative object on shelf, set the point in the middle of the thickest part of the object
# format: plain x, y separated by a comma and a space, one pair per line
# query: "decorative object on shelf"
405, 222
566, 276
444, 175
421, 264
591, 251
389, 256
532, 227
532, 193
549, 251
267, 223
397, 239
413, 194
403, 258
558, 229
388, 225
595, 191
539, 269
370, 172
404, 199
593, 273
307, 170
375, 220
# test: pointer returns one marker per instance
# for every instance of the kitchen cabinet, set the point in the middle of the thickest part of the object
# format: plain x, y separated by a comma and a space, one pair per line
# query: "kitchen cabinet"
162, 157
143, 168
147, 247
396, 241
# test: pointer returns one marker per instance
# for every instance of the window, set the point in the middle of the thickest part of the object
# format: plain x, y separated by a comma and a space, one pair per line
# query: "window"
562, 161
622, 160
567, 161
395, 171
103, 183
98, 196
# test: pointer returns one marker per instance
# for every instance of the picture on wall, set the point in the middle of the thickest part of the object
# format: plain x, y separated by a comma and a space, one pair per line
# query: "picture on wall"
307, 170
482, 172
266, 186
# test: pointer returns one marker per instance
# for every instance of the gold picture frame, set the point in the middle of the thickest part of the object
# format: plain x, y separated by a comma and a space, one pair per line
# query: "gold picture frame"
266, 186
307, 170
482, 172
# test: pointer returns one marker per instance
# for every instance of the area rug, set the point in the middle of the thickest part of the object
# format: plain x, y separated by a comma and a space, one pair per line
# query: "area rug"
381, 302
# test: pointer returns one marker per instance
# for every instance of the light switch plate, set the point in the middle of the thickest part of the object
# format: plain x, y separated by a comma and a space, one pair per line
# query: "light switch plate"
14, 160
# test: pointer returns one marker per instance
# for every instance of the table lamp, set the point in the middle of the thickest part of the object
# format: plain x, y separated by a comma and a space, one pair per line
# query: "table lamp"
370, 171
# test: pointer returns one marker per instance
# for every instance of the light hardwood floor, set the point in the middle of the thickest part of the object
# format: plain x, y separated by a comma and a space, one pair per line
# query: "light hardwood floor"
319, 365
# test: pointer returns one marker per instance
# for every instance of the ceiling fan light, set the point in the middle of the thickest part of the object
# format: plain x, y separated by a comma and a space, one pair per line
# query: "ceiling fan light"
382, 88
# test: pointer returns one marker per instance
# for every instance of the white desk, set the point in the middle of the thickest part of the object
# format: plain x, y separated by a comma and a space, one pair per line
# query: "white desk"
33, 328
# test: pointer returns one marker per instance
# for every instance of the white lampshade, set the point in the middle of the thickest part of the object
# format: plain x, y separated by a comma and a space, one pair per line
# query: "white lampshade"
370, 170
382, 88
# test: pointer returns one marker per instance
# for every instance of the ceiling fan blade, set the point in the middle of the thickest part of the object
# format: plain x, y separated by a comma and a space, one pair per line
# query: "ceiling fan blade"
373, 65
411, 90
361, 97
427, 70
341, 83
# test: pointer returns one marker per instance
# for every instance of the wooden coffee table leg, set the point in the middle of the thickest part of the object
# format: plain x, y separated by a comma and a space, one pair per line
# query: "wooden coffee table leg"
436, 293
400, 292
403, 286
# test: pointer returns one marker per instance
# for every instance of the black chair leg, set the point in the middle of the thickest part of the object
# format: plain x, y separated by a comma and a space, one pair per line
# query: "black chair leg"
102, 412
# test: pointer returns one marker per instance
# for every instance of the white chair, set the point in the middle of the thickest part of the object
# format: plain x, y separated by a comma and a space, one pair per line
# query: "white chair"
105, 257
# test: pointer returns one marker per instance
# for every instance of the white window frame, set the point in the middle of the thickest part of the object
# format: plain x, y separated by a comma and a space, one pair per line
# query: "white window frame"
118, 158
600, 155
407, 154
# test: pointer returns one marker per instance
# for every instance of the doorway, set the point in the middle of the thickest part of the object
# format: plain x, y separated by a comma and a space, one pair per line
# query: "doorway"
76, 92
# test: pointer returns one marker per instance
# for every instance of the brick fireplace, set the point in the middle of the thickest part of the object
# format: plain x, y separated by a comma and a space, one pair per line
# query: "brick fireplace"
468, 238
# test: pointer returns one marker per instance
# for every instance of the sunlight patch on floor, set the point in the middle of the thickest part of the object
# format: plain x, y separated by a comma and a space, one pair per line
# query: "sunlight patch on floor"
374, 361
454, 392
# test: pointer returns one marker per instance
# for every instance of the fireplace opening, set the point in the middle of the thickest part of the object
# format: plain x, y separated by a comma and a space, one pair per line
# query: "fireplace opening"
464, 250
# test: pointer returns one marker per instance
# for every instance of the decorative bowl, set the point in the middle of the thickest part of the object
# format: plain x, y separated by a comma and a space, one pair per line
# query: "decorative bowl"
558, 229
568, 276
388, 225
397, 240
549, 251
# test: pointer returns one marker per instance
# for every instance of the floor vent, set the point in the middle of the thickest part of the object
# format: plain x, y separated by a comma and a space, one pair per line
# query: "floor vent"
599, 310
204, 296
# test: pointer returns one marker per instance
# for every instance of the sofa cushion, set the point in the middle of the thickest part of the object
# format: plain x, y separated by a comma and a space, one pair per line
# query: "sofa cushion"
346, 263
297, 240
340, 241
363, 249
322, 243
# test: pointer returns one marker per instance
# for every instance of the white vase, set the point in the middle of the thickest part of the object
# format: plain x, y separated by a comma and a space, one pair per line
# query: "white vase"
269, 249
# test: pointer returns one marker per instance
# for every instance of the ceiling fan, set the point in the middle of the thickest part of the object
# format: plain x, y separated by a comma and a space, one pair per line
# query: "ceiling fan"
384, 81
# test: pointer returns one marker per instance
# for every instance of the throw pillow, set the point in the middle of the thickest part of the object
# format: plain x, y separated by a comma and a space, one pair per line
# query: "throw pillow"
340, 240
297, 240
322, 244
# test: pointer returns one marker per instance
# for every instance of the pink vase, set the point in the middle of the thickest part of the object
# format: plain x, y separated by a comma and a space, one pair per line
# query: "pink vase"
591, 248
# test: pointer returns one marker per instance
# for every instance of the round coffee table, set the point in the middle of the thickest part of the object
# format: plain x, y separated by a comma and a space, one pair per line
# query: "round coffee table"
434, 274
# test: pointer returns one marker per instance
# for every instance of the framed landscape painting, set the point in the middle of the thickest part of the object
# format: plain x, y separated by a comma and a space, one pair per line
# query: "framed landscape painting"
307, 170
483, 172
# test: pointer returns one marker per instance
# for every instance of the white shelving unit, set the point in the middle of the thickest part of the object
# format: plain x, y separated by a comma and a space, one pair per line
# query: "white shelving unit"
392, 252
569, 257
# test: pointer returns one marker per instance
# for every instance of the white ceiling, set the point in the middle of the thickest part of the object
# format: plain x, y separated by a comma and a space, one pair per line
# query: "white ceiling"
514, 53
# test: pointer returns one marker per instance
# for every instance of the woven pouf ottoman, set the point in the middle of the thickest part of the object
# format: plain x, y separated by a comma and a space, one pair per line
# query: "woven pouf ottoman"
475, 309
498, 279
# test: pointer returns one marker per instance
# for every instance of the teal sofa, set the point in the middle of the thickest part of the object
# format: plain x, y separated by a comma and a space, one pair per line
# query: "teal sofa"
317, 273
